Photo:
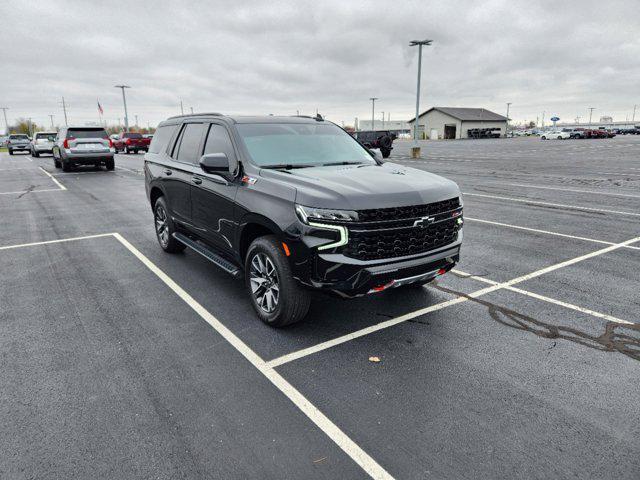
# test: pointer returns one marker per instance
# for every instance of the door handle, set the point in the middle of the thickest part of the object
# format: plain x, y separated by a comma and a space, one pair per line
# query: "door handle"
196, 180
167, 172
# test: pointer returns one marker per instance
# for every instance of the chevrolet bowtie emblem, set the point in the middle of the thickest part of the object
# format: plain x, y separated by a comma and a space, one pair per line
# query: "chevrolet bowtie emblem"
423, 222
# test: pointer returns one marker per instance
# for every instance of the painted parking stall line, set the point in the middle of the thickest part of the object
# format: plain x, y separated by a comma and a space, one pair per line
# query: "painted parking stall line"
62, 187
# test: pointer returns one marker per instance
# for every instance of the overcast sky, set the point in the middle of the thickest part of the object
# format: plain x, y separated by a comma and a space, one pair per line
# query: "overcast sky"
276, 57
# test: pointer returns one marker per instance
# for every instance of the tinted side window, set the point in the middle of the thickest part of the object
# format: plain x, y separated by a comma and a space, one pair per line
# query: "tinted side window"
190, 143
161, 138
219, 141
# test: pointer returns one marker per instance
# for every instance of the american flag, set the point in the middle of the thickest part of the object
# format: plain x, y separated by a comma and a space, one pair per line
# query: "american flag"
100, 108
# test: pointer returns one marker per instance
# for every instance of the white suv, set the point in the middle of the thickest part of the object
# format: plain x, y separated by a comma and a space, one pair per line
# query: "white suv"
42, 143
555, 135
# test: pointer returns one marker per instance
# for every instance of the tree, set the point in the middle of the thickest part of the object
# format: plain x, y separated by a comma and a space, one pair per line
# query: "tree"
23, 125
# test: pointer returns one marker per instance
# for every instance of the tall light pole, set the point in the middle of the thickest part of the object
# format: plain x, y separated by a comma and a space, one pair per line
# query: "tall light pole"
6, 123
64, 109
373, 112
51, 117
124, 100
382, 120
633, 119
415, 152
506, 130
591, 109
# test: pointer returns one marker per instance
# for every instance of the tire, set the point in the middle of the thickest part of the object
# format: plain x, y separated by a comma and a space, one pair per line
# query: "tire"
66, 166
277, 308
560, 138
10, 152
165, 228
543, 138
110, 164
385, 142
56, 163
385, 153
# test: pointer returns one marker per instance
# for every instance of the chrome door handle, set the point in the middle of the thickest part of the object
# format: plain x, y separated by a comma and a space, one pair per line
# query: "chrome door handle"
196, 180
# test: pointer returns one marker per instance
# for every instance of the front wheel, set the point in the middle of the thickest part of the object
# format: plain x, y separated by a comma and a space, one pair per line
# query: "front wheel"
385, 153
275, 295
110, 164
10, 152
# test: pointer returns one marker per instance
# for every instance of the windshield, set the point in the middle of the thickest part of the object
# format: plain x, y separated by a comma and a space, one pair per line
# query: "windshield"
301, 144
86, 133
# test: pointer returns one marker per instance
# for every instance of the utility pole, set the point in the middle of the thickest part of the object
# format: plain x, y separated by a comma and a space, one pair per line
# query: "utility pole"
543, 112
64, 109
51, 117
124, 101
506, 130
136, 120
415, 151
591, 109
382, 120
181, 108
373, 112
191, 110
6, 123
29, 126
633, 119
578, 119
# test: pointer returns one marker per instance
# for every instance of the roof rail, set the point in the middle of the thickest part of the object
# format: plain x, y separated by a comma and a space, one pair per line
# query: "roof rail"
210, 114
318, 117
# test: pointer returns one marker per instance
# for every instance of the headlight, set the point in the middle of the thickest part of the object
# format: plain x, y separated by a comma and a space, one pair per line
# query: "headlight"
309, 214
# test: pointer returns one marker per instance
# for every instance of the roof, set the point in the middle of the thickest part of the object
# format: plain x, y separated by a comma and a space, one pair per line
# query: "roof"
247, 118
467, 114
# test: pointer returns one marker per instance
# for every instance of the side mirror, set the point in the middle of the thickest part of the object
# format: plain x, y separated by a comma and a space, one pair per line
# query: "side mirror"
378, 155
215, 163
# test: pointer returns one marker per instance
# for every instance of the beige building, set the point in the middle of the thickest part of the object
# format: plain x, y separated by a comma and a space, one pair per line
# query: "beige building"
453, 122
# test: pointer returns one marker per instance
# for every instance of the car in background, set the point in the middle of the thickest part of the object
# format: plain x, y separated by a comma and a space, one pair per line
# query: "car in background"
130, 142
555, 135
42, 143
380, 139
578, 133
18, 142
3, 140
83, 146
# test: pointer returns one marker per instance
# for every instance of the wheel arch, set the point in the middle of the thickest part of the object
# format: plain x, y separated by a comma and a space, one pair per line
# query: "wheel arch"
254, 226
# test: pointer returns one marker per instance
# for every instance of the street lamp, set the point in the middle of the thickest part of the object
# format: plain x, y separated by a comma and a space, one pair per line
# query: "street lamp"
124, 100
373, 111
591, 109
506, 130
415, 151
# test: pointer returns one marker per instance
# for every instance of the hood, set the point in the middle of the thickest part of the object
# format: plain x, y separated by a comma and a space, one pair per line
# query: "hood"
361, 187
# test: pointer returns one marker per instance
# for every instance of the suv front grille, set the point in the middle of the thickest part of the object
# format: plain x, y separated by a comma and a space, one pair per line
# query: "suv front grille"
390, 232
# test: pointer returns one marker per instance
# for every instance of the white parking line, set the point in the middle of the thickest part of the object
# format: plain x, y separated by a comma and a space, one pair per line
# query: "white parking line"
547, 232
62, 187
31, 191
544, 298
567, 207
570, 190
48, 242
394, 321
367, 463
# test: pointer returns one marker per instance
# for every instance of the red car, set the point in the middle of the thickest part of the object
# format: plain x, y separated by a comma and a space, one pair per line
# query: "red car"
131, 143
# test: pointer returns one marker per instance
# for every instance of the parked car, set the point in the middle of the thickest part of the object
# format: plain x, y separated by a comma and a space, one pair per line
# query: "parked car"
42, 143
18, 142
578, 133
129, 142
380, 139
82, 146
3, 140
555, 135
296, 204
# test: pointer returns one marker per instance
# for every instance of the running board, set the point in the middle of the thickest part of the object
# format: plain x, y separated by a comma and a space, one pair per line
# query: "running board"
226, 265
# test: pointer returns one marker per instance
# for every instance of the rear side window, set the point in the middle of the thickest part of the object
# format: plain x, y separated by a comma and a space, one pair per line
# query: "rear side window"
219, 141
87, 133
161, 138
188, 151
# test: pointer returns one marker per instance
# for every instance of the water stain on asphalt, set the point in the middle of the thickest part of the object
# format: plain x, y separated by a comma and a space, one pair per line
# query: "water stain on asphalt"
615, 337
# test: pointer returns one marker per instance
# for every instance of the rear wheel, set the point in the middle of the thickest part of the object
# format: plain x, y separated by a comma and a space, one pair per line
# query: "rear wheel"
35, 154
165, 228
56, 163
110, 164
275, 295
385, 152
10, 152
66, 166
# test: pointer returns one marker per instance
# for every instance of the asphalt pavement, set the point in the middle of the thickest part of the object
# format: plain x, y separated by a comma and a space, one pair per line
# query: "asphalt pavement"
121, 361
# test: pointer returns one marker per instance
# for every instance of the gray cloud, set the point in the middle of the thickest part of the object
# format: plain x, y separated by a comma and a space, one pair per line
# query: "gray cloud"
279, 57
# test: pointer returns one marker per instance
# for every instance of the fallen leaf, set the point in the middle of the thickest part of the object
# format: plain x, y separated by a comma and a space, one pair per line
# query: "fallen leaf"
374, 359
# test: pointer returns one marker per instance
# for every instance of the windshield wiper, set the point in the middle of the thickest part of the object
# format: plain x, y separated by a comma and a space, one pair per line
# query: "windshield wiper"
341, 163
286, 166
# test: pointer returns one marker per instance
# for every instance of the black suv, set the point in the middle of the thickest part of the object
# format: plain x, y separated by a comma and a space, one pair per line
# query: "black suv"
380, 139
295, 203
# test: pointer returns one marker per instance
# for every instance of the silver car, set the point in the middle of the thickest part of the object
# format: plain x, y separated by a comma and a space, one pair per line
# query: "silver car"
83, 146
42, 143
18, 142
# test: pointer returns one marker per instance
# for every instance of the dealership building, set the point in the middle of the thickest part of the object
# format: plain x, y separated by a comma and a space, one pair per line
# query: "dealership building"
454, 122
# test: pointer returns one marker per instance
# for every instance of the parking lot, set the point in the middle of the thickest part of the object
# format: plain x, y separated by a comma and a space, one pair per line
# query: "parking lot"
120, 360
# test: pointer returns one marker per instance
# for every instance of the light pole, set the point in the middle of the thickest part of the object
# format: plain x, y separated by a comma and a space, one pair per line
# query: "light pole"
633, 119
6, 123
124, 100
382, 120
506, 130
373, 111
591, 109
51, 117
415, 151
